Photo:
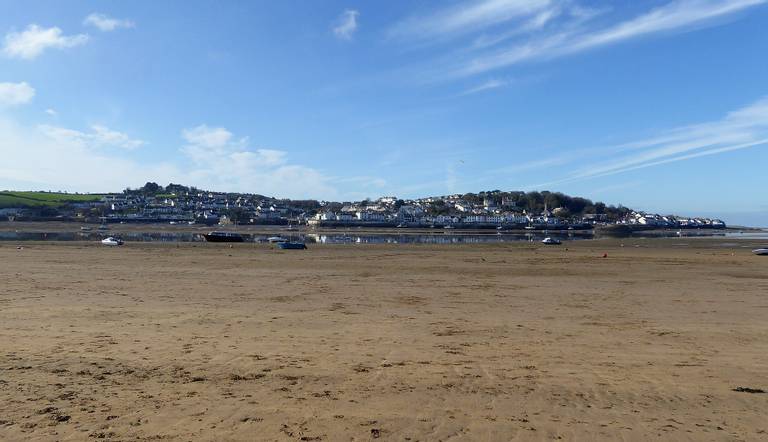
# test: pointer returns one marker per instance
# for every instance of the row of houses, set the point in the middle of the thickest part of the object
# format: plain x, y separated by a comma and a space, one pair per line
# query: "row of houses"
670, 221
412, 214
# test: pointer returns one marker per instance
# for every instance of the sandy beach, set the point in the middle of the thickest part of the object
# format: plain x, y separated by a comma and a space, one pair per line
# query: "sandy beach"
418, 343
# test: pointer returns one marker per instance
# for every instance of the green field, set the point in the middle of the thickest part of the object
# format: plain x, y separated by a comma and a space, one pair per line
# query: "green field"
39, 199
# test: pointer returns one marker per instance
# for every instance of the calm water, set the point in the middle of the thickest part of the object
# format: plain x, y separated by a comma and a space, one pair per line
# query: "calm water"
352, 238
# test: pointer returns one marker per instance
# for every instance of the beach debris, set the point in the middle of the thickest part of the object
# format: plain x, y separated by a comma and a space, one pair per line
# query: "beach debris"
605, 255
375, 433
749, 390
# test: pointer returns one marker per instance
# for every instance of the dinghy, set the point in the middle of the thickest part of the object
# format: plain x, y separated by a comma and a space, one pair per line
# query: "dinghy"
760, 251
551, 241
112, 241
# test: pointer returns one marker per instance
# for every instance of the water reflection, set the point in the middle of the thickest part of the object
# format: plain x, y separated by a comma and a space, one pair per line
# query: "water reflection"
332, 238
362, 238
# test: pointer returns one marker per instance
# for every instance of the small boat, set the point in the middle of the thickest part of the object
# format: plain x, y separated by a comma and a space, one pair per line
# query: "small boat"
551, 241
85, 229
103, 227
112, 241
223, 237
287, 245
277, 239
401, 226
448, 227
760, 251
530, 227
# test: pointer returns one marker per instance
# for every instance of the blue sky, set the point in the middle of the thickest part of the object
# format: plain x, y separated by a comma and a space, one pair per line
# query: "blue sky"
659, 105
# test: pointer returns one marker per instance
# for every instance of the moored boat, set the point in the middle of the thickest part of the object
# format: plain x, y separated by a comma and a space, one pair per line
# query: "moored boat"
277, 239
223, 237
763, 251
288, 245
112, 241
551, 241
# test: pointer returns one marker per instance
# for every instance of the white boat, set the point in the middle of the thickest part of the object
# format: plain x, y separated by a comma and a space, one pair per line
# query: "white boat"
551, 241
276, 239
112, 241
760, 251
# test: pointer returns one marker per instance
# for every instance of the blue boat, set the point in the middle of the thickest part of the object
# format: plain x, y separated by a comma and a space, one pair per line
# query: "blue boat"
292, 245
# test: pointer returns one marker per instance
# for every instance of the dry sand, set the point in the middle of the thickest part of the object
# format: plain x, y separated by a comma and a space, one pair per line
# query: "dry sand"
485, 342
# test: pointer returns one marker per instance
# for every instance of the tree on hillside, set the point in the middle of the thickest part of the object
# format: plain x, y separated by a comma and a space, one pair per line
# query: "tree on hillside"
151, 188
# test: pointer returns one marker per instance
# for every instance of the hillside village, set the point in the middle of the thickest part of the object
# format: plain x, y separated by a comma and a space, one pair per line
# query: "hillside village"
180, 204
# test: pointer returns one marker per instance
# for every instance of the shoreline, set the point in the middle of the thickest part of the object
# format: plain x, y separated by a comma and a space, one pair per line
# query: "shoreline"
56, 226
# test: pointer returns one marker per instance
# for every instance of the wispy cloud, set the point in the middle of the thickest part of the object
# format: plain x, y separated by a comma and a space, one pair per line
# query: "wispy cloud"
487, 85
496, 34
13, 94
677, 15
346, 25
106, 23
34, 40
741, 129
744, 128
465, 18
98, 137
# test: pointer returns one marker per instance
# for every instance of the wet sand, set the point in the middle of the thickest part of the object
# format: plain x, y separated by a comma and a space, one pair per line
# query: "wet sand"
421, 343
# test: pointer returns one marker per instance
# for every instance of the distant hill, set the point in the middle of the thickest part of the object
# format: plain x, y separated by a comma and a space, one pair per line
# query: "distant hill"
43, 199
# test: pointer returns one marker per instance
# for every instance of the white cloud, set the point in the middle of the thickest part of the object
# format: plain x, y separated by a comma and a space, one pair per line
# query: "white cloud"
106, 23
67, 159
468, 17
31, 42
208, 137
347, 24
98, 137
12, 94
674, 16
69, 163
223, 162
52, 112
